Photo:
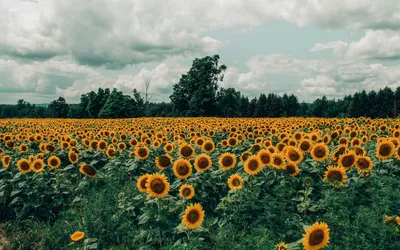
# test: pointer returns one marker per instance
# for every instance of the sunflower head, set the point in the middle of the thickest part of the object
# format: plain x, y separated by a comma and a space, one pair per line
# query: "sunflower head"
385, 150
293, 154
186, 191
53, 162
186, 151
316, 236
142, 152
37, 165
291, 168
6, 160
227, 161
278, 160
208, 146
282, 246
305, 145
87, 170
73, 157
253, 165
141, 183
320, 152
164, 161
336, 176
347, 160
235, 182
244, 156
77, 236
157, 185
364, 164
24, 165
193, 217
182, 168
202, 162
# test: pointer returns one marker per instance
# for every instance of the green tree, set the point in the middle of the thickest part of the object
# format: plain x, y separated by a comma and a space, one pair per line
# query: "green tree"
195, 94
228, 102
59, 108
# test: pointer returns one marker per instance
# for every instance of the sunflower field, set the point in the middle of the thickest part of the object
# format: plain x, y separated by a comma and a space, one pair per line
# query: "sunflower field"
200, 183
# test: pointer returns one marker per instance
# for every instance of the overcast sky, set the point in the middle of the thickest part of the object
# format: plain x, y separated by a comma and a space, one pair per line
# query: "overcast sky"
51, 48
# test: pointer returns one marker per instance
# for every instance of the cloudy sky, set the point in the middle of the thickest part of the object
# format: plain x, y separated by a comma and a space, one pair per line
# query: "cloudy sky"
51, 48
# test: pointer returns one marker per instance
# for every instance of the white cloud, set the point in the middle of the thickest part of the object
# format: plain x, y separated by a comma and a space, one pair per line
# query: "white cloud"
376, 44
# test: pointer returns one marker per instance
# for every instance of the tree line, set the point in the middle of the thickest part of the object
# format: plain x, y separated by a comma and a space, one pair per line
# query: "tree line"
197, 94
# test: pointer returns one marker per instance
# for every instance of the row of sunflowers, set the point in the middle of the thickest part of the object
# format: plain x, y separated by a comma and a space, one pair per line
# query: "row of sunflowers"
175, 158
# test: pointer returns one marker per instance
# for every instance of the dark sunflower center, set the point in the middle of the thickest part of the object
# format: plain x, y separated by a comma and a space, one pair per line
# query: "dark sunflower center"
73, 157
277, 161
227, 161
363, 163
305, 146
319, 152
25, 166
293, 155
121, 146
50, 148
89, 170
265, 158
169, 148
143, 183
336, 175
232, 141
316, 237
102, 145
183, 169
193, 216
186, 191
157, 186
200, 142
186, 151
290, 169
334, 135
111, 152
37, 165
348, 161
53, 162
164, 161
384, 150
236, 182
253, 165
246, 155
256, 147
203, 163
94, 144
142, 152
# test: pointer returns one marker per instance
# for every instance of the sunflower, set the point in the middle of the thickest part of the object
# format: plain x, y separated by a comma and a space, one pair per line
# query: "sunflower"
94, 144
244, 156
364, 164
87, 170
208, 146
227, 161
157, 185
186, 191
164, 161
23, 148
6, 160
53, 162
278, 160
235, 182
169, 147
336, 176
282, 246
293, 154
102, 145
24, 166
37, 165
121, 146
202, 162
292, 168
186, 151
305, 145
193, 217
77, 236
142, 152
347, 160
141, 183
319, 152
384, 150
316, 237
182, 168
73, 157
253, 165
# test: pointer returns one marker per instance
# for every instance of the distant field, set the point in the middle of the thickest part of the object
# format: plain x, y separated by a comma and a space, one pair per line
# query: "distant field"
200, 183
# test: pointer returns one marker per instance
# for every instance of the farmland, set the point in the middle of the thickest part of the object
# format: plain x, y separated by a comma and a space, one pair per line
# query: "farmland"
200, 183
